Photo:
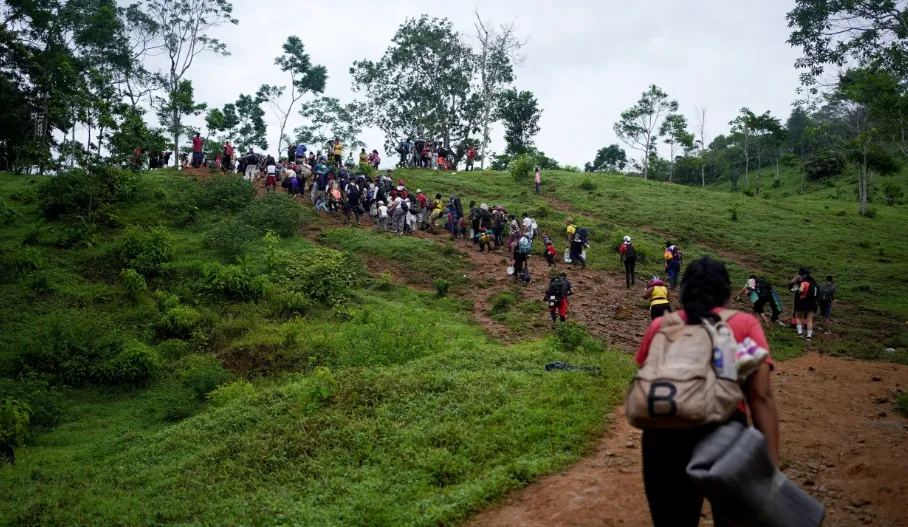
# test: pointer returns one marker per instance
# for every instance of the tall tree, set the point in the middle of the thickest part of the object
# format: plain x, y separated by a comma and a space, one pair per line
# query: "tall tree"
422, 85
742, 132
176, 105
520, 113
700, 117
304, 78
183, 35
836, 32
610, 158
639, 124
251, 130
328, 118
499, 50
795, 127
678, 139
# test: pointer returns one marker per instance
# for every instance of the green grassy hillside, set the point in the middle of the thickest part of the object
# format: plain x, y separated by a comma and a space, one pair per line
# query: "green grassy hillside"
199, 355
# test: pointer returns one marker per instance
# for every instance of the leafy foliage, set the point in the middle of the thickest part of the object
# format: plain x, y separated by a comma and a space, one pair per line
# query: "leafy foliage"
133, 283
229, 193
824, 164
44, 401
325, 276
442, 287
520, 113
522, 168
14, 423
202, 374
639, 124
146, 250
83, 191
277, 212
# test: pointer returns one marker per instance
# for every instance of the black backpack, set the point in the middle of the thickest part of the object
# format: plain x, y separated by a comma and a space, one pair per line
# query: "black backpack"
824, 293
630, 252
583, 234
558, 288
764, 289
812, 291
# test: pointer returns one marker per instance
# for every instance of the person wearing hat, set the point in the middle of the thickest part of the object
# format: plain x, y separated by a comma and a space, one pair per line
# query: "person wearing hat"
423, 209
629, 259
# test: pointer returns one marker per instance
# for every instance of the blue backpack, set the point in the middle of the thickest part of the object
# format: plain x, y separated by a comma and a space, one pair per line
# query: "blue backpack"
525, 246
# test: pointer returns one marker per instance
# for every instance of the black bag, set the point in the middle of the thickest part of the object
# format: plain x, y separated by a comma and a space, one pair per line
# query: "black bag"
630, 253
764, 288
558, 290
583, 234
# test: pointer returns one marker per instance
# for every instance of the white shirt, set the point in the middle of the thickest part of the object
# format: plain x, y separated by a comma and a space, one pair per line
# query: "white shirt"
270, 170
528, 227
382, 211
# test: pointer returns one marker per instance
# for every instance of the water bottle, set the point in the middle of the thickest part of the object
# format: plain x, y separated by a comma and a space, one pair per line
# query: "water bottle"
718, 360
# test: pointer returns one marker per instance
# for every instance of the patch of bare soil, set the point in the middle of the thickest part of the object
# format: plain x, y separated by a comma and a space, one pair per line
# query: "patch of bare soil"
840, 440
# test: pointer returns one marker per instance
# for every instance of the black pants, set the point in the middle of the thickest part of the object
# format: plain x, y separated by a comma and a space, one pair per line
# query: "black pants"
658, 310
673, 499
576, 251
629, 271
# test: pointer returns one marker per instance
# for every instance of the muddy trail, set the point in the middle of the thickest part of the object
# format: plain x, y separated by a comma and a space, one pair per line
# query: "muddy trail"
841, 439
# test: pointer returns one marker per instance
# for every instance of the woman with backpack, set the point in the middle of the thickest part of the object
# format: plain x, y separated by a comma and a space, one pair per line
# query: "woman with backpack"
557, 296
805, 303
673, 498
659, 297
629, 259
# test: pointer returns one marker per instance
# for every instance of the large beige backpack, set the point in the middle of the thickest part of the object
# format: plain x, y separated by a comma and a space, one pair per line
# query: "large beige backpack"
678, 385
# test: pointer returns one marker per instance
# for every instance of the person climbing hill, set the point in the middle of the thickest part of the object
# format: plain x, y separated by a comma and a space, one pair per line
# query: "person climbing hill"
805, 303
659, 297
556, 295
629, 258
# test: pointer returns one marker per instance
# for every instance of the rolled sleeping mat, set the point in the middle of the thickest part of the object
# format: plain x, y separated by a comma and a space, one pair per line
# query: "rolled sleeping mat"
732, 467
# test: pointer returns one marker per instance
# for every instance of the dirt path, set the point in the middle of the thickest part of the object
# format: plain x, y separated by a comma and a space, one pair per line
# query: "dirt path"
841, 439
836, 442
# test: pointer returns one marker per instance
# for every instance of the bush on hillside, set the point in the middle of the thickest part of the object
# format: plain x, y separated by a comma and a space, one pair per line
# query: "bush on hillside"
145, 250
180, 321
823, 164
84, 191
276, 212
238, 282
15, 419
44, 400
234, 391
136, 364
587, 185
202, 374
230, 238
522, 167
442, 287
133, 283
893, 192
225, 193
325, 276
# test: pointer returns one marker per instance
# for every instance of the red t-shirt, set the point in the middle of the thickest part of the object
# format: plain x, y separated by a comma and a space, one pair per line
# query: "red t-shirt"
196, 144
471, 154
742, 325
422, 200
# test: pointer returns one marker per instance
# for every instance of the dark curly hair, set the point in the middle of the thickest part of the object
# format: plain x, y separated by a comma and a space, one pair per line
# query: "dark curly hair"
704, 287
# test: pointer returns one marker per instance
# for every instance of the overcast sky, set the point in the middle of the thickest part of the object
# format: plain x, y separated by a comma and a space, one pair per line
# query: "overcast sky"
586, 62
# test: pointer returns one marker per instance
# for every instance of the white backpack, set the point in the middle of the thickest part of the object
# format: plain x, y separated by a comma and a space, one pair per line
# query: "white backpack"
689, 378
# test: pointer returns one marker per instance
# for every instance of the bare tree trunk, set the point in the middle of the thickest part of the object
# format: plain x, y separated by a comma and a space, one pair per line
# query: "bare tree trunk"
702, 173
862, 185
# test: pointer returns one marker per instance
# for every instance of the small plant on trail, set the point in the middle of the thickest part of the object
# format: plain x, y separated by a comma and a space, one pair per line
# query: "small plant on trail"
734, 212
441, 287
587, 185
202, 374
230, 392
145, 250
901, 404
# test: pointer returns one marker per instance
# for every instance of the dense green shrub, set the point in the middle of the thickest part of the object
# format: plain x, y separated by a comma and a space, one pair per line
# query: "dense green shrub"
522, 167
84, 191
587, 185
44, 400
284, 301
171, 401
276, 212
180, 321
135, 364
14, 426
202, 374
145, 250
238, 282
502, 302
325, 276
230, 392
901, 404
133, 283
80, 234
893, 192
7, 213
789, 159
574, 337
227, 193
442, 287
172, 349
230, 238
823, 164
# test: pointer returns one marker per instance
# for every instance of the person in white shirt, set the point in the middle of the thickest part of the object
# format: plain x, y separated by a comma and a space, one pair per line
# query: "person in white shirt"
382, 217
